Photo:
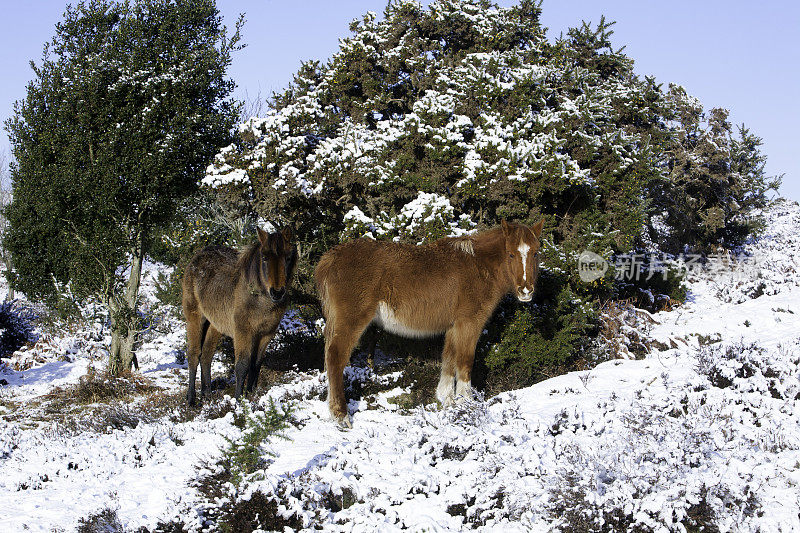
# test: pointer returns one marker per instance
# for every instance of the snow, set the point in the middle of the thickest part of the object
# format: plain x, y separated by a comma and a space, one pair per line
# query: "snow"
710, 416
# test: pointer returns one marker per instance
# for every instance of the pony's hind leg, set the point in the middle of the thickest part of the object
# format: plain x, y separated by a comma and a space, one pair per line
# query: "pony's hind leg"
193, 345
209, 347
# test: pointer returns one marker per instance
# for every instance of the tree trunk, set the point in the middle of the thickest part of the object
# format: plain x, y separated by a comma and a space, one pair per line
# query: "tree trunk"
124, 321
8, 266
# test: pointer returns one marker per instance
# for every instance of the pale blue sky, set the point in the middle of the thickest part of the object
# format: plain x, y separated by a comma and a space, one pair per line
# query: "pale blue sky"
733, 54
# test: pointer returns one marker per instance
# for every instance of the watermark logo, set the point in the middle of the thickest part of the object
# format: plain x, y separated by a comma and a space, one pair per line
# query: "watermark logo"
639, 266
591, 266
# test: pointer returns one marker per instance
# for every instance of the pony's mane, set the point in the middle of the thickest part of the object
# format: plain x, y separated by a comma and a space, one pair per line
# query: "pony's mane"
248, 262
490, 241
463, 244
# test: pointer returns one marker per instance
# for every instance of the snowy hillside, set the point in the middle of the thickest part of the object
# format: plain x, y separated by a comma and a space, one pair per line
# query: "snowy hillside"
705, 430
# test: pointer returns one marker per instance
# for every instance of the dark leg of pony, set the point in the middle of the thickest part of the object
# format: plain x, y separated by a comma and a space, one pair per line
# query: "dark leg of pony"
258, 361
194, 335
373, 345
210, 343
243, 346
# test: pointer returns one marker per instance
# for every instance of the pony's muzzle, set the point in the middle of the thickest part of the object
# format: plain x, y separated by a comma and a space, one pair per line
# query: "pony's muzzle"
524, 294
277, 295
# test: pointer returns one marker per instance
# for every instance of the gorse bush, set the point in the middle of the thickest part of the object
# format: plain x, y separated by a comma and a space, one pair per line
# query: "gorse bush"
543, 340
444, 119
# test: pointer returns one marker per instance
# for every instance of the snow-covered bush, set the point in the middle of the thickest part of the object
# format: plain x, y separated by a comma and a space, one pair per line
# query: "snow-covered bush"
656, 466
444, 119
749, 368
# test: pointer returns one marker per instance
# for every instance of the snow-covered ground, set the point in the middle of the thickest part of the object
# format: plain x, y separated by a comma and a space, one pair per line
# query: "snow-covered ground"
705, 429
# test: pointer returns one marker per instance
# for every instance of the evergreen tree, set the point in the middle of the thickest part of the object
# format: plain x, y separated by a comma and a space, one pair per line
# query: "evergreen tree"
127, 105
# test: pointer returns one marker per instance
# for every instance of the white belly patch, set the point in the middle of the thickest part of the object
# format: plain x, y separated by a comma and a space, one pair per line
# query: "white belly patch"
386, 319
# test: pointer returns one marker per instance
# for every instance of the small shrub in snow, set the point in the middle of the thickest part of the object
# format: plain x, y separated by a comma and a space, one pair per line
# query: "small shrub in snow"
105, 521
16, 327
95, 387
9, 438
258, 512
244, 455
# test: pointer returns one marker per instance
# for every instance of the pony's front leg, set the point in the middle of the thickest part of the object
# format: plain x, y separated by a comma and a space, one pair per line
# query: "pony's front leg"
337, 355
458, 355
338, 348
446, 387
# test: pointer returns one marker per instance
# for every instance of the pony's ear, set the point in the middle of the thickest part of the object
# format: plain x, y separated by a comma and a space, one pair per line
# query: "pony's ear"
506, 229
263, 236
288, 234
537, 228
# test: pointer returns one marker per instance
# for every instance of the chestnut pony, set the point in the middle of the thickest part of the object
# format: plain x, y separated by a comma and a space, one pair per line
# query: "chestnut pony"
450, 286
239, 294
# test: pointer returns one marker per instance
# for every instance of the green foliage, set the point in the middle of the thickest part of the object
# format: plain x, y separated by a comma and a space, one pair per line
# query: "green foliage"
244, 455
543, 340
168, 290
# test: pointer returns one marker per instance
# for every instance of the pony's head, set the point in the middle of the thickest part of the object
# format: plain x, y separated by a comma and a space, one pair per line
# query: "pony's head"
278, 259
522, 256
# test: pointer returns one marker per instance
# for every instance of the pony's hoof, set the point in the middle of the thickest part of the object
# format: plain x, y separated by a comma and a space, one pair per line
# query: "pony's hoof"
343, 422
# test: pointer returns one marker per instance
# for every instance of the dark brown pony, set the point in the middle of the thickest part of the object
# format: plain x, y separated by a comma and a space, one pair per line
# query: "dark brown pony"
450, 286
239, 294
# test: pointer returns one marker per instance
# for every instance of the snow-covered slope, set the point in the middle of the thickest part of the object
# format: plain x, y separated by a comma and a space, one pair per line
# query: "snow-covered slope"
707, 429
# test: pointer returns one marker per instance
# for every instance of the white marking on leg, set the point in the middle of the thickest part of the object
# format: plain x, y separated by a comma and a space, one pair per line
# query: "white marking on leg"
523, 254
445, 389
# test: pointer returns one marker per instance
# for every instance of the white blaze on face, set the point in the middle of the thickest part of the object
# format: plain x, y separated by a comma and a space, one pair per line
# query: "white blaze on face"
523, 255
